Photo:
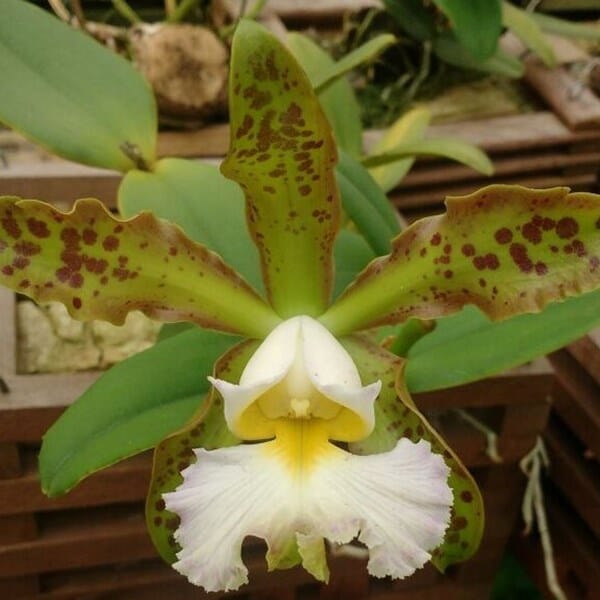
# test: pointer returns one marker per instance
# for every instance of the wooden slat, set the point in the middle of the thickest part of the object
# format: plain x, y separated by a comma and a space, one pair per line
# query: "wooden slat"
587, 353
125, 482
576, 399
434, 196
575, 476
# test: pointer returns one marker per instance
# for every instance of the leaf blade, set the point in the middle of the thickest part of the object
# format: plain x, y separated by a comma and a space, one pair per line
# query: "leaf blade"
468, 347
112, 421
81, 120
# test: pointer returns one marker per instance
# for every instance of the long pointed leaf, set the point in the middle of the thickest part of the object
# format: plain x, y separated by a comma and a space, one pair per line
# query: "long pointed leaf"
130, 408
468, 346
65, 91
476, 23
366, 205
363, 54
283, 155
524, 26
102, 267
409, 128
451, 148
397, 416
506, 249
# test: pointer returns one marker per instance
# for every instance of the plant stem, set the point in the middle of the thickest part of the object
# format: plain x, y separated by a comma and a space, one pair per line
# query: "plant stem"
182, 10
123, 8
170, 8
60, 10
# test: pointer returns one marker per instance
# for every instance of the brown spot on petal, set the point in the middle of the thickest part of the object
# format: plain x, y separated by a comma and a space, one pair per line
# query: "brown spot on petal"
110, 243
38, 228
566, 228
503, 235
468, 250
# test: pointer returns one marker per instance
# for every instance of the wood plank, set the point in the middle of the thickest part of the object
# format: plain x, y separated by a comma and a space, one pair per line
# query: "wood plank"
577, 399
438, 172
574, 103
13, 588
417, 198
126, 481
586, 351
577, 477
117, 535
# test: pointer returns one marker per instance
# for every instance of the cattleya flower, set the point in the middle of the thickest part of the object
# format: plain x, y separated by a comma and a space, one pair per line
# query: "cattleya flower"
335, 447
301, 389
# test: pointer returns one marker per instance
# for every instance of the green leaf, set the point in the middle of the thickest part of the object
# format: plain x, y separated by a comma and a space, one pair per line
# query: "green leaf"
522, 24
205, 429
207, 206
409, 128
366, 205
130, 408
338, 100
101, 267
468, 346
352, 255
413, 17
365, 53
283, 155
451, 148
449, 49
396, 416
66, 92
477, 24
564, 28
507, 249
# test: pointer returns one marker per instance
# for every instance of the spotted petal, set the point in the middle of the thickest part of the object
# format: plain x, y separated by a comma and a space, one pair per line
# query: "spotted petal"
397, 417
102, 267
396, 503
506, 249
282, 154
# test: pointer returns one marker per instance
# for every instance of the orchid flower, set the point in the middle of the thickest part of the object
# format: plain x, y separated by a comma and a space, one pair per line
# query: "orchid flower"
336, 448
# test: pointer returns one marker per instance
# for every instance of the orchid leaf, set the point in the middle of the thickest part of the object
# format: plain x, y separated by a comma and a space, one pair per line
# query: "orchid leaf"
205, 429
414, 17
451, 148
283, 155
507, 249
476, 24
57, 92
130, 408
451, 51
101, 267
468, 347
564, 28
338, 100
522, 24
207, 206
397, 416
363, 54
367, 206
409, 128
352, 255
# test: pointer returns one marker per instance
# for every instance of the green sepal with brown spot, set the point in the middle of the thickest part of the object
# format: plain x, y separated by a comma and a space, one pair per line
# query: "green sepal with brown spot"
506, 249
206, 429
283, 156
396, 416
101, 267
